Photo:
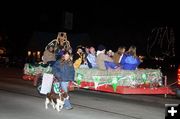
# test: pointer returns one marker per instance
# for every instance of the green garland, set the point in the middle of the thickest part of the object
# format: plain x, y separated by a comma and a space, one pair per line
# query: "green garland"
56, 87
119, 78
79, 78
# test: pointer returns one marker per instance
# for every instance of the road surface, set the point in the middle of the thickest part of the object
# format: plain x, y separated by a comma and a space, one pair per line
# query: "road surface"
20, 100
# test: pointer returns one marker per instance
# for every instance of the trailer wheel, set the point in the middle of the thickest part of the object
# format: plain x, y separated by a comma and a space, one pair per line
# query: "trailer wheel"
38, 88
178, 93
39, 84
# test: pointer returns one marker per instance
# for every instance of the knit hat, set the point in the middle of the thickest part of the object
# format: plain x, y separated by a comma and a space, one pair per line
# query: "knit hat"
101, 47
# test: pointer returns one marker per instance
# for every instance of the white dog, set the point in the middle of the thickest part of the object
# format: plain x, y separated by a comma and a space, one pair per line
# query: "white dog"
56, 100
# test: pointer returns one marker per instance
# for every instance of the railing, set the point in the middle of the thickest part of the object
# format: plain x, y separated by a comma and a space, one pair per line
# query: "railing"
178, 75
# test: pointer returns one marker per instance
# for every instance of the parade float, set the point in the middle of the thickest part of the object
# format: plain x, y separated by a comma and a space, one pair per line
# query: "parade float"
140, 81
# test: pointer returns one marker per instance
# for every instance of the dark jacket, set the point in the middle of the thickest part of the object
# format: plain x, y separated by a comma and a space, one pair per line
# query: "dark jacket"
64, 72
129, 62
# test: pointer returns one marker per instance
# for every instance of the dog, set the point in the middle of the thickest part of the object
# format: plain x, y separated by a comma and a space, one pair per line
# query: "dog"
56, 100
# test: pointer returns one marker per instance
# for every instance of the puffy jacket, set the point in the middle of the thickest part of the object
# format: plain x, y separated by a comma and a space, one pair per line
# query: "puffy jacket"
48, 56
100, 60
129, 62
63, 71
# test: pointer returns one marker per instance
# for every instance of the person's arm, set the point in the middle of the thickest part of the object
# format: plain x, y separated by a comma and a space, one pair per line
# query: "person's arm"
77, 63
56, 70
89, 61
72, 73
122, 62
45, 55
107, 58
138, 61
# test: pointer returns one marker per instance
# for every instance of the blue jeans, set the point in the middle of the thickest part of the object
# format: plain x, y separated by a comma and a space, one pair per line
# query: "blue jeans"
64, 87
110, 65
51, 63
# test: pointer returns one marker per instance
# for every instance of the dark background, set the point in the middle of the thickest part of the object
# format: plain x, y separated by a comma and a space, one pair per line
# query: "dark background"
112, 23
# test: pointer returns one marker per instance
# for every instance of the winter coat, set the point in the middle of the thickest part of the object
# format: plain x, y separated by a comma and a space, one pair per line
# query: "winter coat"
63, 71
48, 56
129, 62
100, 60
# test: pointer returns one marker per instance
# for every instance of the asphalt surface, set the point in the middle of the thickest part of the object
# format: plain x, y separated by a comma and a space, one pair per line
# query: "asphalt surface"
20, 100
9, 74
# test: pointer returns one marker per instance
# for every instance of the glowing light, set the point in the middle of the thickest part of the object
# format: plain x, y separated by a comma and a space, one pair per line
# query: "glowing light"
178, 82
1, 51
34, 54
38, 54
29, 53
178, 75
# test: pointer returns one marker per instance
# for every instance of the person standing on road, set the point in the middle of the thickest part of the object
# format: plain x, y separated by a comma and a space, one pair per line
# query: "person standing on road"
63, 70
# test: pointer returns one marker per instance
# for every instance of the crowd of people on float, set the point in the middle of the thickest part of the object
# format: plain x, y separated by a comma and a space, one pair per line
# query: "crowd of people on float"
106, 60
89, 57
58, 54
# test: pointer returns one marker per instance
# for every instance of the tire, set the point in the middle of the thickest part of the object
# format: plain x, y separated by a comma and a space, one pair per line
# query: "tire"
39, 84
38, 88
178, 93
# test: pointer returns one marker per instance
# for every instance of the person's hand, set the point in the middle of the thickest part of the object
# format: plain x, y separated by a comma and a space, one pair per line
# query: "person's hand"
75, 84
141, 58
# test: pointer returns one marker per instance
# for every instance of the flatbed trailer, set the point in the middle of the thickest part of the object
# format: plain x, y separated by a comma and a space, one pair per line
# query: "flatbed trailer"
141, 81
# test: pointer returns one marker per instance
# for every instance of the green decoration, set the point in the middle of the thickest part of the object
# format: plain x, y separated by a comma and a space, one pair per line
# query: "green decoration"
114, 82
96, 80
79, 78
133, 76
56, 87
47, 70
31, 69
99, 77
144, 77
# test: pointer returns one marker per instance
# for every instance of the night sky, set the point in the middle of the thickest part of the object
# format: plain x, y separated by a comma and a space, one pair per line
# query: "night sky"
89, 15
110, 19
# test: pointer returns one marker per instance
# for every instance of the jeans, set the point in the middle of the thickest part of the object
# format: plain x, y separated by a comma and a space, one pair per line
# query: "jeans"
64, 87
50, 63
110, 65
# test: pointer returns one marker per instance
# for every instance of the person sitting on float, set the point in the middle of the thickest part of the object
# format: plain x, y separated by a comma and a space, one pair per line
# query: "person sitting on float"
110, 53
103, 61
91, 58
119, 54
78, 58
130, 61
61, 44
49, 56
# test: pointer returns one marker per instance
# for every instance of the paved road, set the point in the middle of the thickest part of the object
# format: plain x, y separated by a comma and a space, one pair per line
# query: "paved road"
20, 100
17, 104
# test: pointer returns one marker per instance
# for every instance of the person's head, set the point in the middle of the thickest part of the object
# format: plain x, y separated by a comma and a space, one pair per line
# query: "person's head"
87, 49
66, 58
79, 49
62, 35
70, 50
62, 38
121, 50
51, 48
132, 50
102, 48
92, 50
66, 55
110, 53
